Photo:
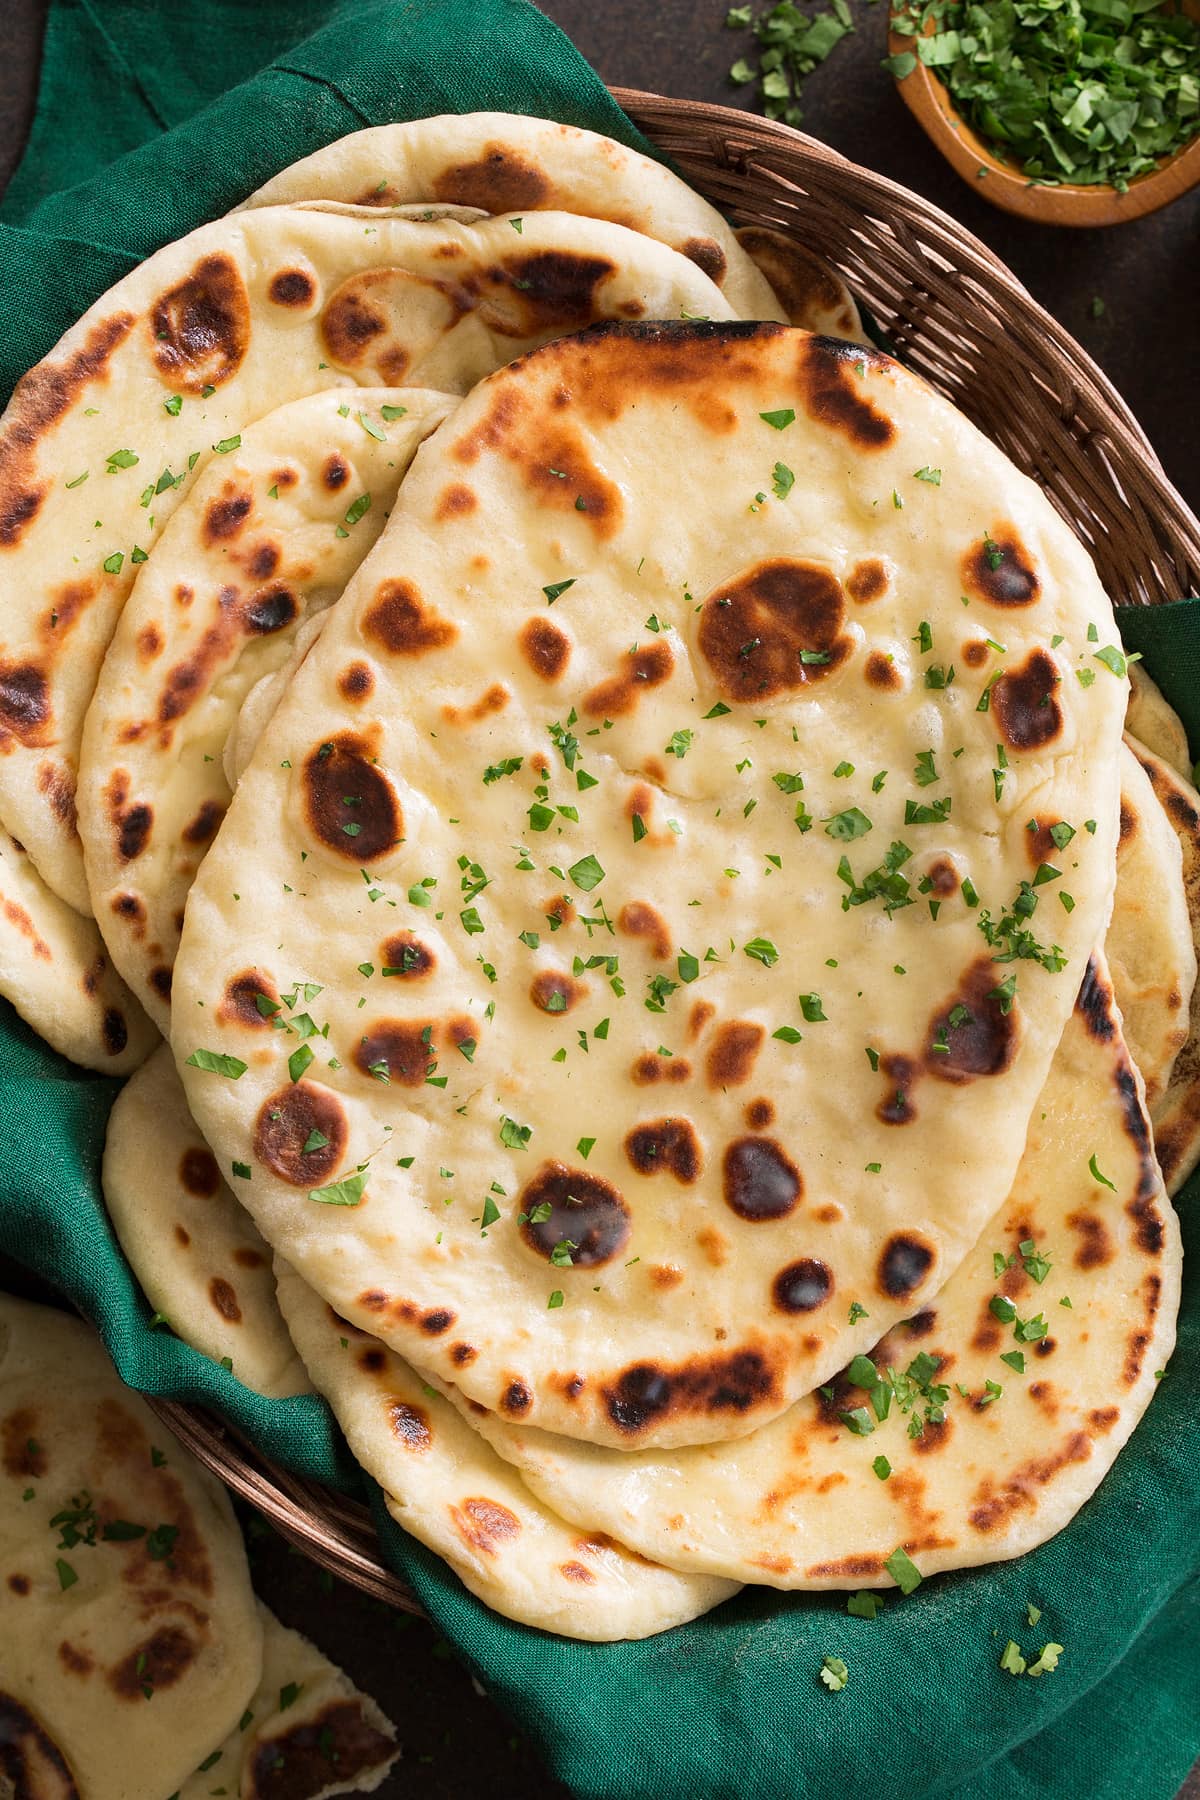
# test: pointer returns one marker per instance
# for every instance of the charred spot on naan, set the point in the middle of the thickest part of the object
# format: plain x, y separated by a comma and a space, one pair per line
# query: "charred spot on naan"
638, 919
31, 1763
348, 802
971, 1035
585, 1210
1095, 1249
529, 292
500, 180
545, 648
200, 328
485, 1524
828, 380
1095, 1004
992, 1504
399, 619
1025, 702
881, 672
293, 288
554, 991
902, 1074
650, 1068
1000, 570
761, 1183
39, 401
516, 1398
387, 320
666, 1146
904, 1265
339, 1742
24, 705
732, 1052
802, 1286
131, 823
223, 1296
301, 1133
399, 1050
225, 517
239, 1004
741, 1381
198, 1171
773, 629
21, 1452
643, 667
269, 610
356, 683
410, 1424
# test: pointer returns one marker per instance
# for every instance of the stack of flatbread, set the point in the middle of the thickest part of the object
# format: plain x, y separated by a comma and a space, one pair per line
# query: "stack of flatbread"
680, 989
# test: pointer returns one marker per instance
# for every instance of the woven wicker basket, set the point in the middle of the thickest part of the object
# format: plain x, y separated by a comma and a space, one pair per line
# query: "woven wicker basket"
957, 317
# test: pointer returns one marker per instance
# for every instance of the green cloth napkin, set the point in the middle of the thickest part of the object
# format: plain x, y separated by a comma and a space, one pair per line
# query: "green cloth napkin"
152, 118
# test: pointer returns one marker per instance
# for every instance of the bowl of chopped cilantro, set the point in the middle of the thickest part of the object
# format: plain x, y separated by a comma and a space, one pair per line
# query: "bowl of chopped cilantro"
1071, 112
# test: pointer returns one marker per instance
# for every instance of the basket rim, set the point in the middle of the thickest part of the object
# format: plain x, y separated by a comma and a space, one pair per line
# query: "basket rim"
727, 119
332, 1529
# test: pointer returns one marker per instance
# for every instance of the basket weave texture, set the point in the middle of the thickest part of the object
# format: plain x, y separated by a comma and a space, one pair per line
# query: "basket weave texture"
955, 315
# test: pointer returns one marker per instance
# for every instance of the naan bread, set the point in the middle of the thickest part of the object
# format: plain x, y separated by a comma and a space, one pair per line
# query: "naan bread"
131, 1643
504, 163
264, 541
306, 1734
1154, 722
1176, 1117
1016, 1451
810, 293
1149, 944
446, 1488
99, 442
601, 711
55, 970
193, 1248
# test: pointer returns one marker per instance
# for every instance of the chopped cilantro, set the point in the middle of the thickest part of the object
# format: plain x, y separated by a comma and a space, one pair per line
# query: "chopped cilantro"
216, 1063
834, 1673
903, 1570
341, 1193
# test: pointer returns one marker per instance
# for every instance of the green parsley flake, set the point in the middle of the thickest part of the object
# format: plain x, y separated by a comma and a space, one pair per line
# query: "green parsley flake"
903, 1570
782, 480
864, 1604
216, 1063
228, 444
834, 1673
341, 1193
558, 588
1098, 1176
845, 827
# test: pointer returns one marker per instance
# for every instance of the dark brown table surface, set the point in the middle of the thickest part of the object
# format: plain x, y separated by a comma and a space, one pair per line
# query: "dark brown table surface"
1147, 338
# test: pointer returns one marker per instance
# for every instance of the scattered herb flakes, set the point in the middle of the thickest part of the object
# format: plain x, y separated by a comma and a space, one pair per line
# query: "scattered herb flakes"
882, 1467
782, 480
228, 444
780, 420
1011, 1660
834, 1673
762, 950
557, 588
932, 476
586, 873
792, 43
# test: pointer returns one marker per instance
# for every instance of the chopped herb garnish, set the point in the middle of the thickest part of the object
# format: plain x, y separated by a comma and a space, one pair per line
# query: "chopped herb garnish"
341, 1193
216, 1063
903, 1570
558, 588
845, 826
834, 1673
1098, 1176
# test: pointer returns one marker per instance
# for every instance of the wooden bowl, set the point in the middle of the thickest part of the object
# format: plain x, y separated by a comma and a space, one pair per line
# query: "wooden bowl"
1005, 184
